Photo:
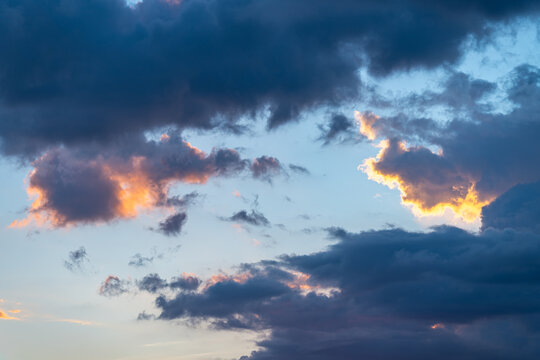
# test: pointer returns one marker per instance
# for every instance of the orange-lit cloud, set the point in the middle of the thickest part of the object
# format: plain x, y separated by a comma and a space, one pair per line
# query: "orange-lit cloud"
95, 186
366, 120
427, 182
238, 278
76, 322
5, 316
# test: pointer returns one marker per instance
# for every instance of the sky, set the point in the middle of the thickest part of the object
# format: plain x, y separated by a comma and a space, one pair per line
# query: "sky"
266, 179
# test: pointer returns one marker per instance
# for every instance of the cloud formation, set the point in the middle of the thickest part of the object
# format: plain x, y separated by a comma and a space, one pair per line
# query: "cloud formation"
387, 294
107, 69
99, 184
467, 162
172, 225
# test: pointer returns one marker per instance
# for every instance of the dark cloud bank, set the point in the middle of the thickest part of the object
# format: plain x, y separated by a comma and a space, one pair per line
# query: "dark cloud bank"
90, 70
82, 80
388, 294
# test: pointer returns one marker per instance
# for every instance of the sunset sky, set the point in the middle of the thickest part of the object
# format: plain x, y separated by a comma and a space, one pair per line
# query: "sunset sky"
267, 179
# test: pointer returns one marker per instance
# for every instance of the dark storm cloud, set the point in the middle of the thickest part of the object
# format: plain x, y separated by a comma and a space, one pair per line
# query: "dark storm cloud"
388, 294
77, 259
172, 225
518, 208
93, 69
252, 218
481, 155
113, 286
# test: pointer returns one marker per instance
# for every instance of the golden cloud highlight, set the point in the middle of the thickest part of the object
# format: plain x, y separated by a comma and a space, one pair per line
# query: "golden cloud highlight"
67, 188
428, 184
5, 316
366, 120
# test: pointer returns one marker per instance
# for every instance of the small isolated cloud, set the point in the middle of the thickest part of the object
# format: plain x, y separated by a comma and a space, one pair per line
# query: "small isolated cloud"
183, 201
112, 286
77, 259
254, 218
265, 168
299, 169
138, 260
338, 129
172, 225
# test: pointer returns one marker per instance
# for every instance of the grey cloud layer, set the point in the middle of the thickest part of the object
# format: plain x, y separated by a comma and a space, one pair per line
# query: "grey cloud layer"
390, 294
106, 69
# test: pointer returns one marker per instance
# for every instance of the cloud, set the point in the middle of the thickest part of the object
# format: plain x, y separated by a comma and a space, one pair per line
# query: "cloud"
299, 169
518, 208
388, 294
97, 184
266, 167
183, 201
172, 225
188, 282
138, 260
112, 286
5, 316
252, 218
107, 69
152, 283
339, 128
466, 163
77, 259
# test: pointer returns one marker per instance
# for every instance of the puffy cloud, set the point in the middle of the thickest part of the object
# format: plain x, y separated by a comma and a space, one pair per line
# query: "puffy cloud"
189, 282
387, 294
152, 283
99, 184
173, 224
106, 68
466, 163
266, 167
77, 259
